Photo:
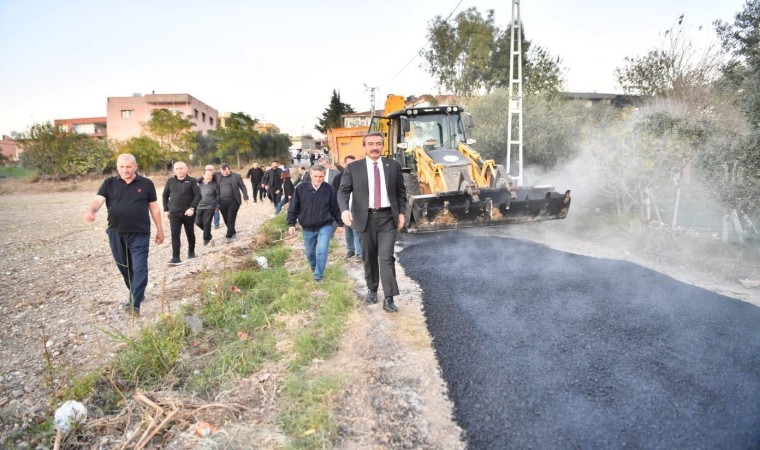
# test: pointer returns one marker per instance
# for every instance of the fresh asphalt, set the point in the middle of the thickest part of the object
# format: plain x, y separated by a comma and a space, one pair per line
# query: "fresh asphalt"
550, 350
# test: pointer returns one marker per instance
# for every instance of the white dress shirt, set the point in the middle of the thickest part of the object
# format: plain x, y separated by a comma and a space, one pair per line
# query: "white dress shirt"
384, 202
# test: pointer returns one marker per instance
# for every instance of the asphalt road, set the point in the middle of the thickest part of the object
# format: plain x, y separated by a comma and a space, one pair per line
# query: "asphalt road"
550, 350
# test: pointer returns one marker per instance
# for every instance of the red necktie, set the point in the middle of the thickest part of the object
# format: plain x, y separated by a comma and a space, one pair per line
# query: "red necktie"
377, 187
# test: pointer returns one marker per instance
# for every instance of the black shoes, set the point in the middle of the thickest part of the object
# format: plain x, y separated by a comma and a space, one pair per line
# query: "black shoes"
190, 255
371, 298
205, 242
349, 254
175, 262
389, 306
131, 310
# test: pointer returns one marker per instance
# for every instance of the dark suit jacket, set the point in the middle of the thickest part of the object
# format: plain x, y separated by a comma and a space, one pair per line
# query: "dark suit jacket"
237, 181
354, 179
330, 175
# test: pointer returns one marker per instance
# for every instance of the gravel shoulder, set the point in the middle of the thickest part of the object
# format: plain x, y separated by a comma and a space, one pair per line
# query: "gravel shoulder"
61, 291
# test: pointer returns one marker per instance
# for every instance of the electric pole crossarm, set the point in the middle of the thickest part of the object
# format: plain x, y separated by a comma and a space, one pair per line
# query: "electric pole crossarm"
515, 110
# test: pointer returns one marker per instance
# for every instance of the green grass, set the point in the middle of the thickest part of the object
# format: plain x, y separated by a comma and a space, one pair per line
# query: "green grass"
244, 314
81, 387
16, 172
147, 359
308, 415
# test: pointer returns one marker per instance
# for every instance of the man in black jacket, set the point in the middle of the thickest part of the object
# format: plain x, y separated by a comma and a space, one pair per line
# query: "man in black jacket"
181, 197
256, 174
230, 186
315, 206
273, 183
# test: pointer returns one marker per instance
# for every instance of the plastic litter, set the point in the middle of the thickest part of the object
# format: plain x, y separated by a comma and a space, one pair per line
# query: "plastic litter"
68, 415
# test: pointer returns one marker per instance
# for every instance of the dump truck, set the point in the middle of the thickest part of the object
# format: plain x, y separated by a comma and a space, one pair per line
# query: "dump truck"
345, 141
449, 185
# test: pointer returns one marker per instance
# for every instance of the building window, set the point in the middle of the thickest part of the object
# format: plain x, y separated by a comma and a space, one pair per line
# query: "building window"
127, 113
211, 121
195, 113
203, 117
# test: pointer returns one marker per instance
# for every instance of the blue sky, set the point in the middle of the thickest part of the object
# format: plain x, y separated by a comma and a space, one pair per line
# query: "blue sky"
279, 61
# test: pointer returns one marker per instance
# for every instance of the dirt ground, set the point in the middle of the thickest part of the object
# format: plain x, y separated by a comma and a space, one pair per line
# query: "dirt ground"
60, 290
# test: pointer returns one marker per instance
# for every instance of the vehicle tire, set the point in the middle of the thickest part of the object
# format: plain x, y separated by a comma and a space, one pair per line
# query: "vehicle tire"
412, 186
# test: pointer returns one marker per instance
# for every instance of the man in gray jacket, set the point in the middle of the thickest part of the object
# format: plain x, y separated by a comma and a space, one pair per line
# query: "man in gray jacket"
230, 188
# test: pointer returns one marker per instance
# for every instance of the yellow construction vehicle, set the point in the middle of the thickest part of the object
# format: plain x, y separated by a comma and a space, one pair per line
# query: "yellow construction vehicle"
448, 184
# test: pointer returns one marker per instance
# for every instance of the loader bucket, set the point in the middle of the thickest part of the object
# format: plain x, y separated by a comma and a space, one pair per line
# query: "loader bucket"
453, 210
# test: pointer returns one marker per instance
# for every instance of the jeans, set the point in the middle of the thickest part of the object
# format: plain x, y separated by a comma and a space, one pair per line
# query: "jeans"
216, 218
317, 245
130, 251
177, 221
282, 203
353, 242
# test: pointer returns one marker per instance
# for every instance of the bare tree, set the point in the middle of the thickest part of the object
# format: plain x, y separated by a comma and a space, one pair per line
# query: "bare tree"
677, 69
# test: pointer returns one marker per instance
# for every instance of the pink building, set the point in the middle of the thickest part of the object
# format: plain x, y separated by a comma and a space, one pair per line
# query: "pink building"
9, 148
127, 115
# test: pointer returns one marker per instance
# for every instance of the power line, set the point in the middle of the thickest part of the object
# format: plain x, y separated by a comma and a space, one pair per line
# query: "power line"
421, 49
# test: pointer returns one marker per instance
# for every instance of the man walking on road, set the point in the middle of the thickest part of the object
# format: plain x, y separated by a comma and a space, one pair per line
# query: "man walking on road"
255, 175
353, 242
273, 183
315, 206
132, 202
230, 187
217, 177
377, 213
181, 197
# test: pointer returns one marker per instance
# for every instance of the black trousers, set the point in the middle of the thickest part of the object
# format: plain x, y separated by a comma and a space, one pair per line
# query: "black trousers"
256, 191
273, 196
229, 208
203, 219
378, 241
177, 221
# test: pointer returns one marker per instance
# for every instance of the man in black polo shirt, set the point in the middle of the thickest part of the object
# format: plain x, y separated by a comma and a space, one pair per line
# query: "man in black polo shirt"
131, 201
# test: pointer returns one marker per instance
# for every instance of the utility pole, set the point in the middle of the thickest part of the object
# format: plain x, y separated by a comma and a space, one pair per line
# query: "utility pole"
372, 101
515, 121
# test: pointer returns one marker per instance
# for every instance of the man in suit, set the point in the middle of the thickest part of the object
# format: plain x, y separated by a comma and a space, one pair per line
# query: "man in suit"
353, 242
331, 171
377, 212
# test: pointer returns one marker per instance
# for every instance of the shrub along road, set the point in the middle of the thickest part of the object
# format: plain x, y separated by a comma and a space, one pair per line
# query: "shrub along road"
546, 349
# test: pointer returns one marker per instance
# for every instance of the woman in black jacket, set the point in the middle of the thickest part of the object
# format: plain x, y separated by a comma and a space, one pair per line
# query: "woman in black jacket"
287, 189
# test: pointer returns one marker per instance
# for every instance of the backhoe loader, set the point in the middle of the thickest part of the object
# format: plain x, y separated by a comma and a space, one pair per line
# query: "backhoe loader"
448, 184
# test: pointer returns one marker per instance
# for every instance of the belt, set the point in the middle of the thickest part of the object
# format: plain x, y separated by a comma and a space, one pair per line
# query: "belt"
377, 210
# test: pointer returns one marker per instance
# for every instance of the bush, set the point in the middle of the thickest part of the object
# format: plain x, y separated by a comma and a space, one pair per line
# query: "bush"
62, 154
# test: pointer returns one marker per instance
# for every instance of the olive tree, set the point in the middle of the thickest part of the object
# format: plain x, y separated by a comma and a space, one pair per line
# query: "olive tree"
146, 150
551, 132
